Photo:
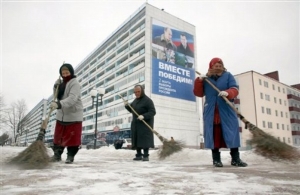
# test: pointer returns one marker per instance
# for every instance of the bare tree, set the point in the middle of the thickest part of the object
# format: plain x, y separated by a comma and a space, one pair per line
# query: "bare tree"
3, 138
3, 118
16, 116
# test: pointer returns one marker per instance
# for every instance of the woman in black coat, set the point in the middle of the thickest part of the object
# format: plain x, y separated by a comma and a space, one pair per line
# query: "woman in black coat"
141, 135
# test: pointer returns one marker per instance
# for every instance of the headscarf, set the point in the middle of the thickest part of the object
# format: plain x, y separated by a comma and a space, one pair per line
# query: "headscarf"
62, 87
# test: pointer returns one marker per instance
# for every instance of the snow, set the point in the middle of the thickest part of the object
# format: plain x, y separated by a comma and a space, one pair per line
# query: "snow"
110, 171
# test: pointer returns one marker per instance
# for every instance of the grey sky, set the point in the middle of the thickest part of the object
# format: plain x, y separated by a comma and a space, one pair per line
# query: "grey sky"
38, 36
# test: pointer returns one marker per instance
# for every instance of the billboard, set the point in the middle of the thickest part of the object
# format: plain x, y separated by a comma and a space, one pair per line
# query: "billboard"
173, 62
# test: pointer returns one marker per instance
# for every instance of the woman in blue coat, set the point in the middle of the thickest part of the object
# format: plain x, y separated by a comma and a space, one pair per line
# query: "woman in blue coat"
221, 127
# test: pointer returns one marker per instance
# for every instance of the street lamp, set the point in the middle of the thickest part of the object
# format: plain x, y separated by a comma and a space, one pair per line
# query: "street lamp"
95, 93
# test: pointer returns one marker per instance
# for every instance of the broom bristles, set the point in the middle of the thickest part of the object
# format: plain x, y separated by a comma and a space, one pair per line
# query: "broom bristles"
169, 148
34, 156
271, 148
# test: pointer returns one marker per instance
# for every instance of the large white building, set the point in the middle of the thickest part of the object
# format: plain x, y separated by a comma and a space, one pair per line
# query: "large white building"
270, 105
131, 55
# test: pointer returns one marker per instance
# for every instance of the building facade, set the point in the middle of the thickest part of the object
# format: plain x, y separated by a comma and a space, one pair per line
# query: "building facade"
144, 50
270, 105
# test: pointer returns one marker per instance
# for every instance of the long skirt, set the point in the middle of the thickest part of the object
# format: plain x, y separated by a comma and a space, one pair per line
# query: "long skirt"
68, 134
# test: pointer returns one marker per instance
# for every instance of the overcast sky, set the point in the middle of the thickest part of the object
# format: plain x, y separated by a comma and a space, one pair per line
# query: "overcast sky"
37, 36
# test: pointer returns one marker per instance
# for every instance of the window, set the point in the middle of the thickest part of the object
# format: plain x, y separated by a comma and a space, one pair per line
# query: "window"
274, 99
259, 81
278, 89
261, 96
273, 87
288, 127
283, 91
282, 126
262, 109
277, 124
267, 97
264, 124
280, 101
286, 115
268, 111
284, 139
281, 114
276, 112
284, 102
266, 84
270, 126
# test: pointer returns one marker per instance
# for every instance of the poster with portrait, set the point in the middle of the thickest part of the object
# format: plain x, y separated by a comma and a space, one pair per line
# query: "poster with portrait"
172, 61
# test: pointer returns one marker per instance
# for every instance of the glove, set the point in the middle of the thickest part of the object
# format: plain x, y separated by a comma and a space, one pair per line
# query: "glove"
57, 82
53, 105
125, 102
141, 117
202, 76
223, 94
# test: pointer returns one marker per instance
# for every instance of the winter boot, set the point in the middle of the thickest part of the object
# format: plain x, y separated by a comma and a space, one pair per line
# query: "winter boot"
138, 155
58, 150
236, 161
217, 159
146, 154
72, 151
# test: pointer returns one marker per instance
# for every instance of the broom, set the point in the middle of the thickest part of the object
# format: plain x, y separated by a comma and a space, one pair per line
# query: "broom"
169, 146
264, 143
35, 156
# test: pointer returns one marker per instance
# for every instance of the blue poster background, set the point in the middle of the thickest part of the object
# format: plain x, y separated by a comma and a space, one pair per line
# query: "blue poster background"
172, 80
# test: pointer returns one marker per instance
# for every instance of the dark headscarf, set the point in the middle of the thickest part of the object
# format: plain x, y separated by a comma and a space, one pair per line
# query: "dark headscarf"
62, 86
142, 90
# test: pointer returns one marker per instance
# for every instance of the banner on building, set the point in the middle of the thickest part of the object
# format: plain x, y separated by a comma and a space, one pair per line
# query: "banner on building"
172, 62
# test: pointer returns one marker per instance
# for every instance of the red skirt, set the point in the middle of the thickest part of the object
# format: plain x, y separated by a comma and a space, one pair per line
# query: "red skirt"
218, 137
68, 135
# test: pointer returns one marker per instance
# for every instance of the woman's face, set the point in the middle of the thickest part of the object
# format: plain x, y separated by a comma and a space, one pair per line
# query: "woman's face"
65, 73
137, 92
218, 66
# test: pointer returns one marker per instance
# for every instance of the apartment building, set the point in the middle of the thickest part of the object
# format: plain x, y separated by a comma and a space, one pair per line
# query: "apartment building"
30, 125
270, 105
135, 54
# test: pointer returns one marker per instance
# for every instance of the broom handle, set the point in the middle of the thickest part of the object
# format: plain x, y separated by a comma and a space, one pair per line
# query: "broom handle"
227, 101
155, 132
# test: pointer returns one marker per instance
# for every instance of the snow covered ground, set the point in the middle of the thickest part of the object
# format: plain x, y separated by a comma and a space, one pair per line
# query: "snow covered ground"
109, 171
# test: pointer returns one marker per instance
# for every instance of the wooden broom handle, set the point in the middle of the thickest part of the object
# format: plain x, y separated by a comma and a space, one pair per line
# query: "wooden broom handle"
227, 101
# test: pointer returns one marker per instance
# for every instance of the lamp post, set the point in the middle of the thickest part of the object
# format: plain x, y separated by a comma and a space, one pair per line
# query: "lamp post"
95, 93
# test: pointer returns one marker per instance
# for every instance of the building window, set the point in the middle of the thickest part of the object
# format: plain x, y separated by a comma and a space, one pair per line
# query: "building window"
276, 112
278, 89
286, 115
262, 109
267, 97
280, 101
281, 114
273, 87
284, 102
270, 126
266, 84
288, 127
259, 81
283, 91
282, 126
277, 124
268, 110
284, 139
261, 96
264, 124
